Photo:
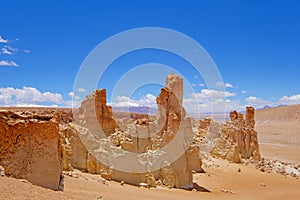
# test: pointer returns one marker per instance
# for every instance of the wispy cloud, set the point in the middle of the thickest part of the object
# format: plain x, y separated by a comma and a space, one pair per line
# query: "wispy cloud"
2, 40
221, 84
8, 50
81, 90
228, 85
201, 84
26, 51
243, 91
8, 63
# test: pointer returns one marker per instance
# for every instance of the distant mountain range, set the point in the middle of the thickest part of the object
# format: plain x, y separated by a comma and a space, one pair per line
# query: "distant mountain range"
153, 111
264, 108
268, 107
136, 109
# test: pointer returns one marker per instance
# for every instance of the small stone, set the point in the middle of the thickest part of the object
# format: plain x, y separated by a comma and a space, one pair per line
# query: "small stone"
102, 180
122, 183
74, 175
227, 191
239, 170
224, 190
262, 169
262, 184
106, 176
2, 171
145, 185
292, 174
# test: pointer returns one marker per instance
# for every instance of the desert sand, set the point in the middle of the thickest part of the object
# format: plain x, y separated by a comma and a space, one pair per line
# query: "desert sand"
223, 182
279, 133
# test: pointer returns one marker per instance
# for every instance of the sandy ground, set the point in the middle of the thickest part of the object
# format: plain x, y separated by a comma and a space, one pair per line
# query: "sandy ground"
247, 184
279, 133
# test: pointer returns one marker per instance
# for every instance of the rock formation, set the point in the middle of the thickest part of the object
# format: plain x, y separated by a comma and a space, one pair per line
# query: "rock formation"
241, 133
30, 148
160, 148
235, 139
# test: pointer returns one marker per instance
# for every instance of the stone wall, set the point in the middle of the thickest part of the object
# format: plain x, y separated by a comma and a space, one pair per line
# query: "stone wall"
30, 148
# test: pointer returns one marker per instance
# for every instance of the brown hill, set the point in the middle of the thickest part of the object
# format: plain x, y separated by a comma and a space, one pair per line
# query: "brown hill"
279, 132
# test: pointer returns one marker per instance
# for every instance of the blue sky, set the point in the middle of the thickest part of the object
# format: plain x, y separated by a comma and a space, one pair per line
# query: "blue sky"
255, 45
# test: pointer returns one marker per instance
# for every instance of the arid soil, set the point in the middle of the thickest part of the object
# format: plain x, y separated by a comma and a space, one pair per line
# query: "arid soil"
279, 133
222, 180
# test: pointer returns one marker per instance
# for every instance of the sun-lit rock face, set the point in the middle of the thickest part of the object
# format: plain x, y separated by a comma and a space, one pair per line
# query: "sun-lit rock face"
241, 132
30, 148
233, 140
147, 138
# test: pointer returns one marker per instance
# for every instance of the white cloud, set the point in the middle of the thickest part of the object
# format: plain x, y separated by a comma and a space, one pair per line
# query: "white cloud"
73, 96
8, 50
207, 101
2, 40
294, 99
285, 100
217, 105
243, 91
81, 90
221, 84
27, 96
201, 84
8, 63
228, 85
26, 51
123, 101
207, 94
194, 85
258, 102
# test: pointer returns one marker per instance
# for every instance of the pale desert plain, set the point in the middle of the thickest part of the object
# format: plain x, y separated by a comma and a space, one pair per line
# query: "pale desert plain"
278, 132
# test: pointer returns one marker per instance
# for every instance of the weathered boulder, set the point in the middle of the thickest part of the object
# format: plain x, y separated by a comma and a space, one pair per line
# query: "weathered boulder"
30, 148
